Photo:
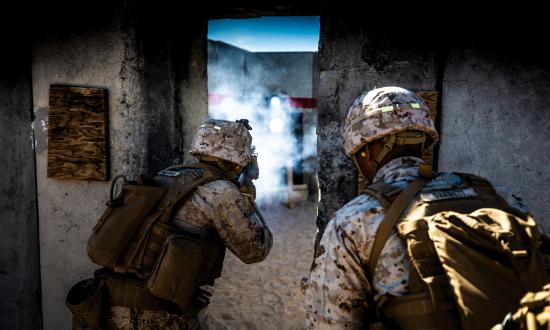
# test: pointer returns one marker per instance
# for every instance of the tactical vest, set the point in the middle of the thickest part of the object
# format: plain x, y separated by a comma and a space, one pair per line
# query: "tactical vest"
149, 262
440, 297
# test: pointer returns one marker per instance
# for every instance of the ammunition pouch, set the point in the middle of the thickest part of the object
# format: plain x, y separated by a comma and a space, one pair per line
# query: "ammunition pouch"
149, 262
87, 304
176, 275
127, 291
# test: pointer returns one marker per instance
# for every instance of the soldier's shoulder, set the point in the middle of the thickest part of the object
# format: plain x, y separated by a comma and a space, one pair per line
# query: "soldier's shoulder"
221, 186
361, 207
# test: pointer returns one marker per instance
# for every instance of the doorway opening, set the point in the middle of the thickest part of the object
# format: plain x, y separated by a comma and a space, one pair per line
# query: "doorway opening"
265, 70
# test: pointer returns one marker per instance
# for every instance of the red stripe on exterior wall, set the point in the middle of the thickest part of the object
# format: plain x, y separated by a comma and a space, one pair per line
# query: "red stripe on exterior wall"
302, 102
294, 102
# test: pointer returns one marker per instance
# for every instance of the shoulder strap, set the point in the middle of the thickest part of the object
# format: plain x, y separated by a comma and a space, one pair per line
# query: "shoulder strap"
383, 192
390, 220
178, 190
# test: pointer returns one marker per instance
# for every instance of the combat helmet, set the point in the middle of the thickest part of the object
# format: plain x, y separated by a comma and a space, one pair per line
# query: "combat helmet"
394, 114
227, 140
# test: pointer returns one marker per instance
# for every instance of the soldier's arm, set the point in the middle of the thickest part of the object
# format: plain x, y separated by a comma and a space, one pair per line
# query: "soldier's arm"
241, 225
337, 289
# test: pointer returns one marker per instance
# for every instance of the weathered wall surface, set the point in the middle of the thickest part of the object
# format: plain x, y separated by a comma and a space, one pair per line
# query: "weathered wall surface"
353, 57
495, 123
141, 64
194, 81
288, 73
68, 209
19, 259
226, 69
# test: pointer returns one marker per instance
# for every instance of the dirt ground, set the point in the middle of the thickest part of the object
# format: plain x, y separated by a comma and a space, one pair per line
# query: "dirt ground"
267, 295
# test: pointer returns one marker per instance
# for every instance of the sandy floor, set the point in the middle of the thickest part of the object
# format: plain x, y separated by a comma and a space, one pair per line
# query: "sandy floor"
267, 295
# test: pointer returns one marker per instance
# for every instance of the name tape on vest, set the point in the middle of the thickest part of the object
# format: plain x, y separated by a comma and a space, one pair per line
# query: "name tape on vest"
170, 173
449, 194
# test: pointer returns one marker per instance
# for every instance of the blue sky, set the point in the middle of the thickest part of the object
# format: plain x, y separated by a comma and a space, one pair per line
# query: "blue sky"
268, 34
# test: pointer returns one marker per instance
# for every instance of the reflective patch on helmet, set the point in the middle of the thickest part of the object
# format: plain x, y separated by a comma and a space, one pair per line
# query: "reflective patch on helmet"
386, 109
449, 194
415, 106
211, 126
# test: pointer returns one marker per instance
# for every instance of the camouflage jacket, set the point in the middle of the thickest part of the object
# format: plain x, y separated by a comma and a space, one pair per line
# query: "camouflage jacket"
219, 205
337, 288
216, 205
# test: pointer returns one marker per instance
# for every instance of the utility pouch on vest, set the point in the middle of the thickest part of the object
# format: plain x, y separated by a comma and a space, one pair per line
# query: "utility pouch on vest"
177, 273
472, 256
121, 220
85, 300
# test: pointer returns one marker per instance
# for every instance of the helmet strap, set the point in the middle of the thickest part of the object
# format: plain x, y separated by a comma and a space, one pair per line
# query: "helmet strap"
425, 169
229, 169
403, 138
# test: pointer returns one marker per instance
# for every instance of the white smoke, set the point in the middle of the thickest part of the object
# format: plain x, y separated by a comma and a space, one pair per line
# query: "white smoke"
271, 135
240, 88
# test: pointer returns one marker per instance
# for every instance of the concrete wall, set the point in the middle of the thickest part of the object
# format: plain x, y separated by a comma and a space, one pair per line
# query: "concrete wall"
226, 68
19, 259
194, 91
68, 209
495, 123
144, 67
356, 55
493, 95
288, 73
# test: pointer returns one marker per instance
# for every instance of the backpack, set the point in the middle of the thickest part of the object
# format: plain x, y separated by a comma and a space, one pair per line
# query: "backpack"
143, 254
472, 256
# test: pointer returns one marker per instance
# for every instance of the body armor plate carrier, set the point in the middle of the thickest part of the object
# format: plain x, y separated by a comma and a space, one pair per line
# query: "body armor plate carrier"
149, 263
472, 256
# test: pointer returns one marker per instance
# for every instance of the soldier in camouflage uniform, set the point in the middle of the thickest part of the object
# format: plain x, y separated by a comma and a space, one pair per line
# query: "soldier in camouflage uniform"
219, 205
338, 291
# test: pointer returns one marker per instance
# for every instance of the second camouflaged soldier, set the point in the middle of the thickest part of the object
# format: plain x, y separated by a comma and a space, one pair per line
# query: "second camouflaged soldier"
157, 281
363, 273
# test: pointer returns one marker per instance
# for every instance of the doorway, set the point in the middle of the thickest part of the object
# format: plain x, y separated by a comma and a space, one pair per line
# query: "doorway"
265, 70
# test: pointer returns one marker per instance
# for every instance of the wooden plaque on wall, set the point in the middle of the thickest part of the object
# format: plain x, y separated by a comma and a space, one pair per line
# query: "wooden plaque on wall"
430, 98
77, 133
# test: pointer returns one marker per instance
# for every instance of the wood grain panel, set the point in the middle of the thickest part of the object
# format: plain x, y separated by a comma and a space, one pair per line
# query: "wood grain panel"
77, 133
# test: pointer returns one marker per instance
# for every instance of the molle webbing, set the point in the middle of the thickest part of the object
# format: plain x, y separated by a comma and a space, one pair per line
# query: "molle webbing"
393, 214
428, 282
125, 291
383, 192
427, 275
142, 253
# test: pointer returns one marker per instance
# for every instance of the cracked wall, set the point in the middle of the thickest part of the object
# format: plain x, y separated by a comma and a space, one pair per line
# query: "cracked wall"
150, 70
357, 55
495, 123
68, 209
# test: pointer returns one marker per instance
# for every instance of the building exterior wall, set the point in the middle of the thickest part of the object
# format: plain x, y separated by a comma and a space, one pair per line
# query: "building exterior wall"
495, 123
156, 83
353, 57
19, 257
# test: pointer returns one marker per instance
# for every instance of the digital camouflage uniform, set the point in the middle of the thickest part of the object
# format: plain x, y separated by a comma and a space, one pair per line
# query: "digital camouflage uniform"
337, 287
218, 206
